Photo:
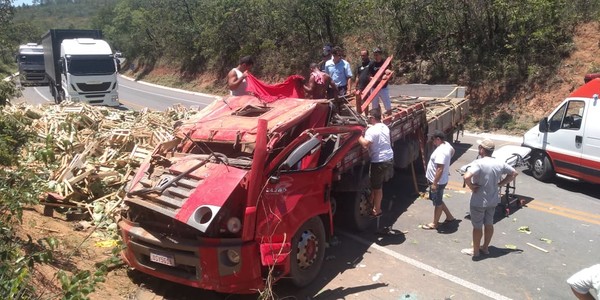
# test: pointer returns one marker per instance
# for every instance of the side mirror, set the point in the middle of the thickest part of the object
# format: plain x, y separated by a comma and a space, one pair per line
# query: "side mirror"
543, 125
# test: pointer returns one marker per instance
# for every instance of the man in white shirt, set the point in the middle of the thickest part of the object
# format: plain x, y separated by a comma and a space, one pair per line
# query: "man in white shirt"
583, 281
377, 139
437, 174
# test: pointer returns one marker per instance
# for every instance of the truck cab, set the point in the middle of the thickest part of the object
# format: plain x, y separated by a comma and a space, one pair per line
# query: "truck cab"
89, 71
30, 61
567, 142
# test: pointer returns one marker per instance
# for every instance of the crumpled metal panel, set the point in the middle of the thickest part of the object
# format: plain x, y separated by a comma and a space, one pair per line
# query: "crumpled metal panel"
219, 123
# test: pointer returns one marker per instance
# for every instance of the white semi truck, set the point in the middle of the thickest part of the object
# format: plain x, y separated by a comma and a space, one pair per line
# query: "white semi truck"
30, 61
80, 67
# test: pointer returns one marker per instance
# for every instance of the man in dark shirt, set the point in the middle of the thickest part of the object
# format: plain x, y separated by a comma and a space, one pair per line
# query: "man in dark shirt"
362, 72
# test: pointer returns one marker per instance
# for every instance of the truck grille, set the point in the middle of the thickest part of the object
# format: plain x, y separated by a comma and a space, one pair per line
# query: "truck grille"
94, 87
171, 200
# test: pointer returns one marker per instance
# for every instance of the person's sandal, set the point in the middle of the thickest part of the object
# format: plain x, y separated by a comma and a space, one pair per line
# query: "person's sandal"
428, 227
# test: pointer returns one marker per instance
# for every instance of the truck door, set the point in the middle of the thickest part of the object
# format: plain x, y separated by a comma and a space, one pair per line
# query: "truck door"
301, 177
590, 158
564, 140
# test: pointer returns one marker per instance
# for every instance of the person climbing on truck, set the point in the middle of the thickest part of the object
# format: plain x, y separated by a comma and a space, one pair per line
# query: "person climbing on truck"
377, 140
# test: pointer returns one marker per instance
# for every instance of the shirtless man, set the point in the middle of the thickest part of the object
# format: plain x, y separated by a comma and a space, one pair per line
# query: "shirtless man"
316, 88
236, 79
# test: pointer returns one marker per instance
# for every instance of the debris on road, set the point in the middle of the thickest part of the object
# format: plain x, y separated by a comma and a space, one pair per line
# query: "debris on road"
510, 246
90, 153
548, 241
524, 229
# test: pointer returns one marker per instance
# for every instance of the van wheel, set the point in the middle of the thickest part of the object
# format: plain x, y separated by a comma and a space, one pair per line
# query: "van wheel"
308, 252
541, 168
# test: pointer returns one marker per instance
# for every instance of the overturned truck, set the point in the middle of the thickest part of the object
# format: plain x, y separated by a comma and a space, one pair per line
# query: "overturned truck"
247, 190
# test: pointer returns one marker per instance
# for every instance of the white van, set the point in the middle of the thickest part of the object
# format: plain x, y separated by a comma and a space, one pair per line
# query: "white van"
567, 143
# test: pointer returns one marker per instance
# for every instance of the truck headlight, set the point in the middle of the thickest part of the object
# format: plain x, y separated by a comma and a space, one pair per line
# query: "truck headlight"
114, 98
234, 225
75, 99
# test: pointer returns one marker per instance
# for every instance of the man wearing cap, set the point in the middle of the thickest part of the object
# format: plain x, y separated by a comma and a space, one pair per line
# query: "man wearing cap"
377, 140
437, 174
484, 178
383, 93
339, 70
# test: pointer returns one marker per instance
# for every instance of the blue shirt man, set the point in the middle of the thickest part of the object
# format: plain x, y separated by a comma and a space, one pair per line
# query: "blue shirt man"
339, 70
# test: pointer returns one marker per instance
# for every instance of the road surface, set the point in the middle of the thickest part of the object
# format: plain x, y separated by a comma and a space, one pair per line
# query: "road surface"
408, 262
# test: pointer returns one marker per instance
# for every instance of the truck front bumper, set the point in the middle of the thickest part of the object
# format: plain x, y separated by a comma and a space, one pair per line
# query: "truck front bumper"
205, 263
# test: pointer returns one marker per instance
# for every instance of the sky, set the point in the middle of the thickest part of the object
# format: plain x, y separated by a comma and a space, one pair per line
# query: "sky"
19, 2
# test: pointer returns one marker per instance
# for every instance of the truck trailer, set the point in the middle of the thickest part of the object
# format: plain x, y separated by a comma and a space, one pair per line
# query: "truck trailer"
80, 67
247, 190
30, 61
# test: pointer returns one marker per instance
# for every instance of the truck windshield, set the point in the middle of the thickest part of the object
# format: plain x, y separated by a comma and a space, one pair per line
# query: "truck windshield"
31, 59
91, 65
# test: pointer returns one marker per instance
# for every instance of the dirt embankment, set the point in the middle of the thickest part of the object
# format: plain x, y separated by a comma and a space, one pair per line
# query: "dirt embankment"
527, 103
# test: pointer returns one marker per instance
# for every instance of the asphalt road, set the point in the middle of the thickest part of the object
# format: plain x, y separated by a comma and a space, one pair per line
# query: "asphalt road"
411, 263
133, 95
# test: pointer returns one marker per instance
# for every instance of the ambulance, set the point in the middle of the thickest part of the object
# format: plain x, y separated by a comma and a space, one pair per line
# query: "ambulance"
567, 142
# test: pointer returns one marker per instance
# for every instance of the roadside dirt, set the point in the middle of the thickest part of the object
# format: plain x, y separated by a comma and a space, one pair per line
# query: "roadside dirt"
78, 250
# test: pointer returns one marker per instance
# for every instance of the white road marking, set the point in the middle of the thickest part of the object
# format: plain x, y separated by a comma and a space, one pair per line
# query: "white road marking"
162, 95
47, 100
415, 263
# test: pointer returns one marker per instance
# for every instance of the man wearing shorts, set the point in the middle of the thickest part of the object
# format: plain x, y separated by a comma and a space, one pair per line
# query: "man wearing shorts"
377, 140
484, 178
437, 173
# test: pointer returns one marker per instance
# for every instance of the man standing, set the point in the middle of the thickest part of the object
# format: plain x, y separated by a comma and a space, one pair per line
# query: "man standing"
484, 178
318, 84
362, 72
585, 280
236, 78
383, 93
339, 70
437, 175
377, 140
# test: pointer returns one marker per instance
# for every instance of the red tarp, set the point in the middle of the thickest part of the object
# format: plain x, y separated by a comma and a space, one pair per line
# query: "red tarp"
292, 87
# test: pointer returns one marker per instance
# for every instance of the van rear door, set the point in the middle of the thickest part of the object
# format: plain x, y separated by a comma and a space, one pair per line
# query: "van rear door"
564, 140
590, 159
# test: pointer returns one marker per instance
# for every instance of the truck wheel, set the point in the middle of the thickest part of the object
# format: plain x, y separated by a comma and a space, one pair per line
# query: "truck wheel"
541, 168
358, 214
308, 252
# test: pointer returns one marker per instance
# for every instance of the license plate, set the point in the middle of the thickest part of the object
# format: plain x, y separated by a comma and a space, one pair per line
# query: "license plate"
162, 259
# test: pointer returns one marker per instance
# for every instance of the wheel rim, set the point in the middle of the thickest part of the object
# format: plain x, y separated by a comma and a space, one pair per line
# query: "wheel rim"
364, 204
538, 166
308, 247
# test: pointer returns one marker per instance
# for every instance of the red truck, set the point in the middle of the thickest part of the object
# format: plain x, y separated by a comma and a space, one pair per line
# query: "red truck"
247, 190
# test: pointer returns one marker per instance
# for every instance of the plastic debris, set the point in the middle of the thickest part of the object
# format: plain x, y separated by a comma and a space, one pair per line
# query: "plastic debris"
510, 246
376, 277
548, 241
524, 229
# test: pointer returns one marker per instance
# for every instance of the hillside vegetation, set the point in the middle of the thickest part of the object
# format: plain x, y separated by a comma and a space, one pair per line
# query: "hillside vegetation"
496, 48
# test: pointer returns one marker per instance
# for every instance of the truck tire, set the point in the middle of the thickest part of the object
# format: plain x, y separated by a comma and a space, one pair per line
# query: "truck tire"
308, 252
541, 167
358, 213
